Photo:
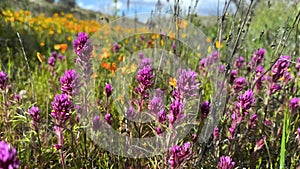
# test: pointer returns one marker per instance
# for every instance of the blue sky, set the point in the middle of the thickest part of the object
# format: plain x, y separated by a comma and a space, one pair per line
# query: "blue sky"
205, 7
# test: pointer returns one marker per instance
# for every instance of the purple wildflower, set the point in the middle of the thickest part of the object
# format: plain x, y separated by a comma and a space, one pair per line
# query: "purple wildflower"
225, 163
141, 55
268, 122
222, 69
179, 154
173, 46
233, 75
202, 63
231, 132
156, 107
245, 101
54, 54
187, 84
52, 61
258, 78
35, 114
287, 77
253, 120
185, 149
149, 43
3, 80
17, 97
239, 84
108, 90
107, 118
61, 106
260, 143
8, 156
176, 109
194, 137
144, 62
61, 57
130, 112
280, 67
69, 82
257, 58
162, 116
96, 123
298, 65
239, 62
294, 104
82, 46
145, 77
57, 146
116, 47
215, 56
158, 130
274, 88
204, 109
216, 133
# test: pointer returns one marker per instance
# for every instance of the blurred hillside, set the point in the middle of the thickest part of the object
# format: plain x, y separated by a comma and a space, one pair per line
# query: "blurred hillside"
45, 6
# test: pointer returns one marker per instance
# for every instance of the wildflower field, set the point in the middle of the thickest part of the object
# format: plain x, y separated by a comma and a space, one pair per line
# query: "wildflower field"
177, 91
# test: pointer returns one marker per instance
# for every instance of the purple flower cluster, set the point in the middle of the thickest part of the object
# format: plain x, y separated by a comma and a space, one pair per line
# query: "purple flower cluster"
280, 68
8, 156
216, 133
61, 107
245, 101
107, 118
69, 82
83, 47
239, 62
144, 77
52, 59
298, 65
187, 84
96, 123
204, 109
108, 90
179, 154
257, 58
158, 130
273, 88
294, 104
239, 84
130, 112
253, 120
3, 80
233, 75
207, 61
241, 108
35, 114
215, 56
225, 163
116, 47
176, 110
156, 107
260, 143
259, 80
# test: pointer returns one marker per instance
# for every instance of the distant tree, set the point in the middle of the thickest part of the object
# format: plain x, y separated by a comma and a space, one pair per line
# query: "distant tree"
69, 3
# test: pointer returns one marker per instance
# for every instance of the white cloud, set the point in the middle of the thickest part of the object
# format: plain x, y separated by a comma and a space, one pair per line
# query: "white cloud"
87, 6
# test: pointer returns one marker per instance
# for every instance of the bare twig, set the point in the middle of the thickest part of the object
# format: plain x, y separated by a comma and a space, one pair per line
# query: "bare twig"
27, 64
